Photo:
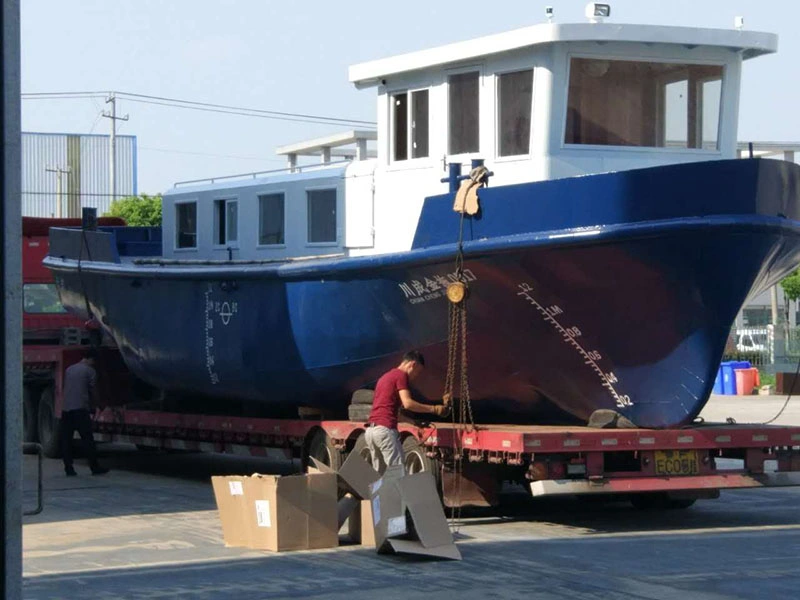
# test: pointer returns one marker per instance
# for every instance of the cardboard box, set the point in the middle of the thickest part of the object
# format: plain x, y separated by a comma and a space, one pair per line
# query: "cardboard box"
229, 493
277, 513
362, 530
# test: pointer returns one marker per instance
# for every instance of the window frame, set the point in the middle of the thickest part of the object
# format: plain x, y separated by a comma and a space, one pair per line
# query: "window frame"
282, 193
322, 188
227, 200
497, 76
176, 237
409, 92
473, 68
563, 145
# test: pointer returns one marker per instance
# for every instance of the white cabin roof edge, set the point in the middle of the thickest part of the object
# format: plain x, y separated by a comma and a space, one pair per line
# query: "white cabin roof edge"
749, 43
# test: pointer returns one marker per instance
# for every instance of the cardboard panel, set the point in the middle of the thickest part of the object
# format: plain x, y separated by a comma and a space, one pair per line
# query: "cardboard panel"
420, 496
229, 494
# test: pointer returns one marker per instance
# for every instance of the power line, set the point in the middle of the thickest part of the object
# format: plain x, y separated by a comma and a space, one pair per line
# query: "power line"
170, 151
204, 106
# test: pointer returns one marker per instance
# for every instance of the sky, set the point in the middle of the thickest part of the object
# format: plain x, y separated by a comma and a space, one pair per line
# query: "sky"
293, 57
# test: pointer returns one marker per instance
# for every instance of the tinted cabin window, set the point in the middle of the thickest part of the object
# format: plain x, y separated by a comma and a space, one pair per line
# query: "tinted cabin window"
463, 113
226, 221
321, 216
400, 126
41, 298
414, 112
515, 95
186, 224
654, 104
271, 219
419, 124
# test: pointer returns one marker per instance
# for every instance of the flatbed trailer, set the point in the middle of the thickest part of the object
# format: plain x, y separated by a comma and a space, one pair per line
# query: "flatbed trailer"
671, 467
667, 467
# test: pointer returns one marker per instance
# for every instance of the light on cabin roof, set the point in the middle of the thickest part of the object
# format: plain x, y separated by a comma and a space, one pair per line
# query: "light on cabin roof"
596, 12
738, 22
548, 11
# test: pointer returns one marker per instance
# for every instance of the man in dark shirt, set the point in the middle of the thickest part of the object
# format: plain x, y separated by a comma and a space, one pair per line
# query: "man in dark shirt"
79, 394
391, 393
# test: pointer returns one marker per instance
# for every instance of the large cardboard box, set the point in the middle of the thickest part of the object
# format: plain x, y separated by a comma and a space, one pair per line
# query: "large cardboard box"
297, 512
229, 493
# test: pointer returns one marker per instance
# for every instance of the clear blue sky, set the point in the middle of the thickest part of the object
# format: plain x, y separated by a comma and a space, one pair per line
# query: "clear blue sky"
293, 57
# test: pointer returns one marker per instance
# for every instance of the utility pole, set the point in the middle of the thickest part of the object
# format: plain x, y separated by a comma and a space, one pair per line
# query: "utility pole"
10, 307
112, 146
58, 171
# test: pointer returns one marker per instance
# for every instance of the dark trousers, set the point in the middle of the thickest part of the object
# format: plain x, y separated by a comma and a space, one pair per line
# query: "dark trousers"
80, 421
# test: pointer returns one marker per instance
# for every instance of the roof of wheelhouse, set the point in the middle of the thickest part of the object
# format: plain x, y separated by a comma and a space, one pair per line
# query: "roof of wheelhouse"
749, 43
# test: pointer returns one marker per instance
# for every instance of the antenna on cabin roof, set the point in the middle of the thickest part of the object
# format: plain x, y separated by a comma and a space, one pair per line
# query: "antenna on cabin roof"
548, 11
738, 22
596, 12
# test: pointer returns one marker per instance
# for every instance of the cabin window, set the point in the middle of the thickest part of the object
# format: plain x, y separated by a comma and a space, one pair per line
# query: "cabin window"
226, 221
41, 298
271, 219
652, 104
321, 216
463, 104
186, 225
410, 122
514, 99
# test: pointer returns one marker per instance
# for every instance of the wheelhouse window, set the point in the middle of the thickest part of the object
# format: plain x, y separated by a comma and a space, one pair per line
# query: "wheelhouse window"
410, 122
514, 99
463, 104
226, 222
186, 225
271, 219
41, 298
649, 104
321, 216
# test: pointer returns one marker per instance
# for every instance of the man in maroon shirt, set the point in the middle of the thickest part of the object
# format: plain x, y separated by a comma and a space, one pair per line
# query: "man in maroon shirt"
391, 393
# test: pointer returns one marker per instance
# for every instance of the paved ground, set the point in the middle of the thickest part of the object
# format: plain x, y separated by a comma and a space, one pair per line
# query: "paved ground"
149, 530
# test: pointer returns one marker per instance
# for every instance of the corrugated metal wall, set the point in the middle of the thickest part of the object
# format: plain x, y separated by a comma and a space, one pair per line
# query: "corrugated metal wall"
87, 183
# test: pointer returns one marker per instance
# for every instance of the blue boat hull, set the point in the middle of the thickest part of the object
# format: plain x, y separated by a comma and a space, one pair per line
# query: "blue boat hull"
629, 315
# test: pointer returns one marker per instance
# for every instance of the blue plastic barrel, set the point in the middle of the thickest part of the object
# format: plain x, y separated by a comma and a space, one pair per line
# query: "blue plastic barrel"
729, 377
718, 382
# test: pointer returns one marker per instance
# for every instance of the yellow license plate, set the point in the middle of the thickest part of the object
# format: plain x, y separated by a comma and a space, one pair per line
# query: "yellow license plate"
677, 462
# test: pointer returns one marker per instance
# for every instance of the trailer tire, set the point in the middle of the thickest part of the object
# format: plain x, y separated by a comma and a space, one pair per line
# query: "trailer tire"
416, 460
30, 412
321, 447
361, 448
364, 397
49, 425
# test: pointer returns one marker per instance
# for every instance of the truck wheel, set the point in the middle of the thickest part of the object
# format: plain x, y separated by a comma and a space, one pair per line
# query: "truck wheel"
30, 412
321, 447
360, 448
416, 460
49, 425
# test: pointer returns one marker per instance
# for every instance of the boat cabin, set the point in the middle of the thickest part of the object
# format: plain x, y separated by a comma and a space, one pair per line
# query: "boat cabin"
543, 102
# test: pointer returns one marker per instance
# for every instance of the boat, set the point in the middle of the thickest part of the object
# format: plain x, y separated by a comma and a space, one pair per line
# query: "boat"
617, 237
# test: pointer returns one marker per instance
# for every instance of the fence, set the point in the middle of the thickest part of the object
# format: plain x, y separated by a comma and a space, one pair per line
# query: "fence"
768, 346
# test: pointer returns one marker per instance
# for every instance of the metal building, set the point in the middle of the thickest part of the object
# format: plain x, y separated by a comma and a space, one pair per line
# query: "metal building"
81, 163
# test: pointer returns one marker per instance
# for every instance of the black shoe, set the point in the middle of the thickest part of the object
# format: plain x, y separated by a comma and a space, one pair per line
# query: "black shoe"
70, 472
99, 471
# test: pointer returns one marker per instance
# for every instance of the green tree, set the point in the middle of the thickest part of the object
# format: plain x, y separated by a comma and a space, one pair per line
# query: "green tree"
791, 285
791, 291
141, 210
